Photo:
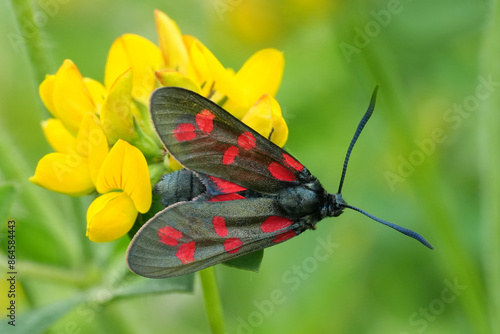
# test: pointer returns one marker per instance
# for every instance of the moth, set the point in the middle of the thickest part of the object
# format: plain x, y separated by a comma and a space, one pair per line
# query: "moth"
237, 194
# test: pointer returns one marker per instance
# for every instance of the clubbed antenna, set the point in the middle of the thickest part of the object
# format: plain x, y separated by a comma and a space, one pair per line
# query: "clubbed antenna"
361, 125
404, 230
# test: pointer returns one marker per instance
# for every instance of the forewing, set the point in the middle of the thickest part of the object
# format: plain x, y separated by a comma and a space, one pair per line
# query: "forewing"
205, 138
190, 236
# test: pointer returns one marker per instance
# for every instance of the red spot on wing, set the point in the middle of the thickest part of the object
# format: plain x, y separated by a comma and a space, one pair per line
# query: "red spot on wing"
219, 226
226, 197
185, 253
169, 235
281, 173
246, 141
232, 245
284, 236
229, 155
226, 187
184, 131
204, 120
292, 162
275, 223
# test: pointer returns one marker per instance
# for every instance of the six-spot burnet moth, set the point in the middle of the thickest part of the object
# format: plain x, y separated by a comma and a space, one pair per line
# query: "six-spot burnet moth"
239, 192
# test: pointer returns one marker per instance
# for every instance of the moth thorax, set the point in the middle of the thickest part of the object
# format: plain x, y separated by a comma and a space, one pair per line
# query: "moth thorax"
336, 205
301, 200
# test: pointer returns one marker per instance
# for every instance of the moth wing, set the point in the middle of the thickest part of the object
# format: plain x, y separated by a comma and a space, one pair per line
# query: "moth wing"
190, 236
207, 139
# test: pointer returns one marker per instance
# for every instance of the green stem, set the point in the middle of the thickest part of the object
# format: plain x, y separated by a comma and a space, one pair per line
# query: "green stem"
489, 160
212, 300
30, 37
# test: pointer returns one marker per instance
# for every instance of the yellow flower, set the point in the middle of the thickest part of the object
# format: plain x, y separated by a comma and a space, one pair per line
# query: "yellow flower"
90, 117
73, 168
265, 116
68, 96
139, 55
191, 65
124, 181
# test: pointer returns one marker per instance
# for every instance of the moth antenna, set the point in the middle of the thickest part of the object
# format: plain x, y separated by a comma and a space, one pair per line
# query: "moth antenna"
405, 231
361, 125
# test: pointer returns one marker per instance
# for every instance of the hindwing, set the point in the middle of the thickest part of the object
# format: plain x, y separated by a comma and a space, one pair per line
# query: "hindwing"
190, 236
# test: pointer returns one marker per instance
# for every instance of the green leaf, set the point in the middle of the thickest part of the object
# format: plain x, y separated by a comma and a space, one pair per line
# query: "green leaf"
250, 261
143, 285
38, 320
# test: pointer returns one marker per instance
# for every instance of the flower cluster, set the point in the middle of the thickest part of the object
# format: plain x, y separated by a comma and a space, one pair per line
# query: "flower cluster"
102, 135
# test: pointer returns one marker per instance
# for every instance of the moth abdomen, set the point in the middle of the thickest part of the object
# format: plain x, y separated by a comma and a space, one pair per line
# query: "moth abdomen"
179, 186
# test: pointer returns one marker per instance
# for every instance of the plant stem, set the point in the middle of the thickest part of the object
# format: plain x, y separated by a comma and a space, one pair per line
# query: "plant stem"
30, 37
212, 300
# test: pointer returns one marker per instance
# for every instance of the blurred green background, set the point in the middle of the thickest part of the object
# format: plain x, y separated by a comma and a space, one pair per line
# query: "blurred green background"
425, 161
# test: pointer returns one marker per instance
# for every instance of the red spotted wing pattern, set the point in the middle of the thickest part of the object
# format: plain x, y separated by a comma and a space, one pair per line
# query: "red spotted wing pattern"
240, 193
205, 138
190, 236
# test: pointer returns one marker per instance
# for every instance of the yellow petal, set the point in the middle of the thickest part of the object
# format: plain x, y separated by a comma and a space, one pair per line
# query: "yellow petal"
63, 173
91, 143
265, 117
280, 132
97, 92
171, 43
58, 136
208, 68
46, 91
261, 74
172, 164
177, 79
191, 69
125, 168
110, 217
138, 53
117, 113
71, 98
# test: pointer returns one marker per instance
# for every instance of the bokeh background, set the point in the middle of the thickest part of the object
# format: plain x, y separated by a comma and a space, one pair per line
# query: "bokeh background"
427, 160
